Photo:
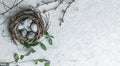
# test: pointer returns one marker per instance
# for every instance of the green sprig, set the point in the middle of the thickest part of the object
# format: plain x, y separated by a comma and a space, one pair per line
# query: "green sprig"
16, 57
49, 38
31, 45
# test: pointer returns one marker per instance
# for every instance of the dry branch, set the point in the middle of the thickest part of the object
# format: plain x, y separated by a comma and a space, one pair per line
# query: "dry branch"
64, 12
11, 7
31, 14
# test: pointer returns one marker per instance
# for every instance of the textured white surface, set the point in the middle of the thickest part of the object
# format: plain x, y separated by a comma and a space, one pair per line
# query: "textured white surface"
90, 36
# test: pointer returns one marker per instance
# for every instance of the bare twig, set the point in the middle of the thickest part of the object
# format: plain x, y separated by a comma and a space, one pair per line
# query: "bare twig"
4, 5
45, 3
14, 2
54, 8
64, 12
60, 2
11, 8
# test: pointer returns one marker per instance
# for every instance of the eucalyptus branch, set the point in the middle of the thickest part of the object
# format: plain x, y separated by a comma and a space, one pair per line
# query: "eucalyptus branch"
41, 60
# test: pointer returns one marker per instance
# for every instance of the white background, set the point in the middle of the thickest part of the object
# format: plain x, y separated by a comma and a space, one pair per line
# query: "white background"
89, 36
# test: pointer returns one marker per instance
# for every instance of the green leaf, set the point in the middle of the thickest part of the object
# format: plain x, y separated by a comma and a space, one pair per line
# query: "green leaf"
28, 53
48, 35
47, 63
27, 45
50, 41
41, 60
36, 62
34, 43
16, 57
21, 57
49, 38
32, 50
43, 46
52, 36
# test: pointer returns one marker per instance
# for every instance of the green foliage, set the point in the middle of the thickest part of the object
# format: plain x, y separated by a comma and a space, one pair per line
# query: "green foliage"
16, 57
36, 62
50, 41
49, 38
43, 46
42, 60
34, 43
47, 63
31, 50
28, 53
48, 35
21, 57
27, 45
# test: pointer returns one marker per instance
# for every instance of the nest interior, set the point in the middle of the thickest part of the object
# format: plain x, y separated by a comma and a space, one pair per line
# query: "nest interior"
36, 18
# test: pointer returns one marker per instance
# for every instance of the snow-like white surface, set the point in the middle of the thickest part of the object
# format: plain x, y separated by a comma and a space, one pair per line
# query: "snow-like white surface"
90, 36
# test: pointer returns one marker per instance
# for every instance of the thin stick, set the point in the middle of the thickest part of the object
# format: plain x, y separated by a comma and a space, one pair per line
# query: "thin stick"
4, 4
54, 8
11, 8
43, 3
64, 12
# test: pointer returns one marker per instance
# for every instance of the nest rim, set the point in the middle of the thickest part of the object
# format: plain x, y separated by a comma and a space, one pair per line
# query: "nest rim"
42, 26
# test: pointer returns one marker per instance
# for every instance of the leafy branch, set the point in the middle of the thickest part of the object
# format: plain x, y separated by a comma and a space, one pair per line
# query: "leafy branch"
49, 38
31, 50
47, 62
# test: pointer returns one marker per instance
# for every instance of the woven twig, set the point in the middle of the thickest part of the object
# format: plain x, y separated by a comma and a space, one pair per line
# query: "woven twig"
33, 14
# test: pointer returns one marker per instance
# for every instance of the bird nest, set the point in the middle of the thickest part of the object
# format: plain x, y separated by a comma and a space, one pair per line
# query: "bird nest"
28, 33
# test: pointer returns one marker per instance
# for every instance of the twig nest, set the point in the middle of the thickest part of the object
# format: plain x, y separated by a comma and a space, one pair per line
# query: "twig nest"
27, 26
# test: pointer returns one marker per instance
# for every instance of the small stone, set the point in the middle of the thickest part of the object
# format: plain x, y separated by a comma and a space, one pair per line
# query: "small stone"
23, 32
33, 27
30, 34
